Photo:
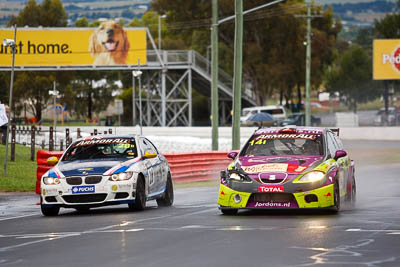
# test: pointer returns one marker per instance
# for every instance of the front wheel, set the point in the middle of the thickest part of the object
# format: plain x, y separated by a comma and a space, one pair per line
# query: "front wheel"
336, 195
140, 200
168, 196
49, 211
226, 211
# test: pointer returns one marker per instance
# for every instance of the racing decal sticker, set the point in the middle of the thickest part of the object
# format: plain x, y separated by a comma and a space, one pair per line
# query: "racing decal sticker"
124, 165
286, 136
83, 189
272, 204
272, 167
271, 189
55, 172
103, 141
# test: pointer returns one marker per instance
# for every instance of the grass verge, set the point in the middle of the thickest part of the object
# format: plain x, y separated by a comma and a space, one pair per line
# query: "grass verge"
21, 173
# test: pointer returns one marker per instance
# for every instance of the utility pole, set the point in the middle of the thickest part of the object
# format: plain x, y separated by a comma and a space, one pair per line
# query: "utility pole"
214, 76
237, 76
237, 83
308, 62
12, 44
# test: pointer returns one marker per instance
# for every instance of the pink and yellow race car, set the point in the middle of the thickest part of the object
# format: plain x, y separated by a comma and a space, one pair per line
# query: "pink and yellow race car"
288, 168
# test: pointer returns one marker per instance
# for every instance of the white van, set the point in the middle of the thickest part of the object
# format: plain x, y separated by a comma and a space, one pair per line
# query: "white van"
278, 112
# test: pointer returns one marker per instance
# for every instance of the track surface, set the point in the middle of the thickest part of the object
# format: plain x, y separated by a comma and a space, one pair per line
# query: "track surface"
194, 233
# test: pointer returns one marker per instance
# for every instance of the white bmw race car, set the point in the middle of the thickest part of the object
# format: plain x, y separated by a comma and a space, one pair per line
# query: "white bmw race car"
106, 170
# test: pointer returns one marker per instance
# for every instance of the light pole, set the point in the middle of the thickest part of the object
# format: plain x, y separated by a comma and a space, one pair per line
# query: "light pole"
159, 30
54, 93
10, 43
138, 74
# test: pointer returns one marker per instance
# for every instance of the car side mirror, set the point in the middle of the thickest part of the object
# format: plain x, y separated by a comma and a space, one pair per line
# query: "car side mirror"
149, 154
232, 155
52, 161
340, 154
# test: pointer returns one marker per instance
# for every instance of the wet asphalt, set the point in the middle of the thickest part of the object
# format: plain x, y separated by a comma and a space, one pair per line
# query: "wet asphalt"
194, 233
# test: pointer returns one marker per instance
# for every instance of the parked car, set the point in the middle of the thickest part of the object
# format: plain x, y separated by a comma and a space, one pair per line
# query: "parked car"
299, 119
387, 119
106, 170
288, 168
278, 112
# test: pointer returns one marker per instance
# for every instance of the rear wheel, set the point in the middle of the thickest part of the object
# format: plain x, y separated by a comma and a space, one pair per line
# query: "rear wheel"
48, 210
140, 200
226, 211
168, 197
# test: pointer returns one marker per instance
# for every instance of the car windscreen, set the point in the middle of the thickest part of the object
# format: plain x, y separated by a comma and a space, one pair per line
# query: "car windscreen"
102, 148
284, 144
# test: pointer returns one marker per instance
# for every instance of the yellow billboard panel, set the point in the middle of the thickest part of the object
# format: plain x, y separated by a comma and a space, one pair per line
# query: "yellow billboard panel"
386, 57
109, 44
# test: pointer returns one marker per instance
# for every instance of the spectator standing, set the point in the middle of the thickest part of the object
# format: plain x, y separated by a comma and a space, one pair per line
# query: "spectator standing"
3, 122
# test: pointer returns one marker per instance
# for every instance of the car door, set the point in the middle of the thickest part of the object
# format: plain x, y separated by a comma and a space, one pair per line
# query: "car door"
154, 166
341, 162
160, 169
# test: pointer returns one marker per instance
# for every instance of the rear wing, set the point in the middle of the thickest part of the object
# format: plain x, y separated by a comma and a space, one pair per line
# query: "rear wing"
335, 130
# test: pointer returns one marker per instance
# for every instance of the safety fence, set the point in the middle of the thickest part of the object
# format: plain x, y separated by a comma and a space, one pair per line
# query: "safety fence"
185, 167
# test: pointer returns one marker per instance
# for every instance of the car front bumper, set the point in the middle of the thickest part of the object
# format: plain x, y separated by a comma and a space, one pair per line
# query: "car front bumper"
104, 193
321, 197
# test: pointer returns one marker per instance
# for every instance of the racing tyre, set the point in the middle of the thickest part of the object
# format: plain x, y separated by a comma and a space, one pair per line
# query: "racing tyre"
168, 197
49, 211
336, 196
353, 192
140, 200
229, 211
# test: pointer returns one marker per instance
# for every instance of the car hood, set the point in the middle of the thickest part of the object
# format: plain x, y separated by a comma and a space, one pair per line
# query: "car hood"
276, 169
87, 167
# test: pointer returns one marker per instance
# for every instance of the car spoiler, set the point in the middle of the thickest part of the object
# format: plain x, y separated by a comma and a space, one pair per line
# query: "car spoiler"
335, 130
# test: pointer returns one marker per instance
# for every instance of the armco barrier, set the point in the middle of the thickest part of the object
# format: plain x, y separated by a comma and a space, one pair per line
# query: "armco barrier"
185, 167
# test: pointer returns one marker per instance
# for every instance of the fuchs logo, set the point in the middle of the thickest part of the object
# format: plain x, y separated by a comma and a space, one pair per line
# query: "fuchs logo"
83, 189
270, 189
394, 59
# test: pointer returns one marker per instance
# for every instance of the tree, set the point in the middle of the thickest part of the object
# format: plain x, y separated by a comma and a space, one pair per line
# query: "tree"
351, 77
274, 54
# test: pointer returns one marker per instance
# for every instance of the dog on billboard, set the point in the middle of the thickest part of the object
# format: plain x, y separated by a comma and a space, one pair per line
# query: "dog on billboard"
109, 44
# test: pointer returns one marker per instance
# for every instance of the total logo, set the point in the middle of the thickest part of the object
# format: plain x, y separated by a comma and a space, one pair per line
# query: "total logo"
271, 189
394, 59
83, 189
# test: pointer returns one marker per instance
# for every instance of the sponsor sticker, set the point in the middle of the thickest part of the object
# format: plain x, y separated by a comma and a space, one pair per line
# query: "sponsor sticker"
272, 167
271, 189
83, 189
272, 204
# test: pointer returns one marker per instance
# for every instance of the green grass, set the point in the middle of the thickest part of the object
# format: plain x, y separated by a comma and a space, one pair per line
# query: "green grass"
21, 173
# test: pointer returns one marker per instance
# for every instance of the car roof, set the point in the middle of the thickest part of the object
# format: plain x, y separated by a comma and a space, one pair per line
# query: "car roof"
259, 107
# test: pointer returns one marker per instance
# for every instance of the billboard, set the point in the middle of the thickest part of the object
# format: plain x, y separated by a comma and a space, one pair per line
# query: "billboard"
386, 59
109, 44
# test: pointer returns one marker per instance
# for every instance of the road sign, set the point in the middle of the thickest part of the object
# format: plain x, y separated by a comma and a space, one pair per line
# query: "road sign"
119, 106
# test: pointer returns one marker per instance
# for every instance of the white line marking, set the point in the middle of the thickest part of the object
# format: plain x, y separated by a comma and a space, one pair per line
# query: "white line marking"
17, 217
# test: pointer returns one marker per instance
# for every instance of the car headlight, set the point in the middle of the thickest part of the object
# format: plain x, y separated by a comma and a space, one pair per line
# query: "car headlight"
122, 176
312, 176
51, 180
